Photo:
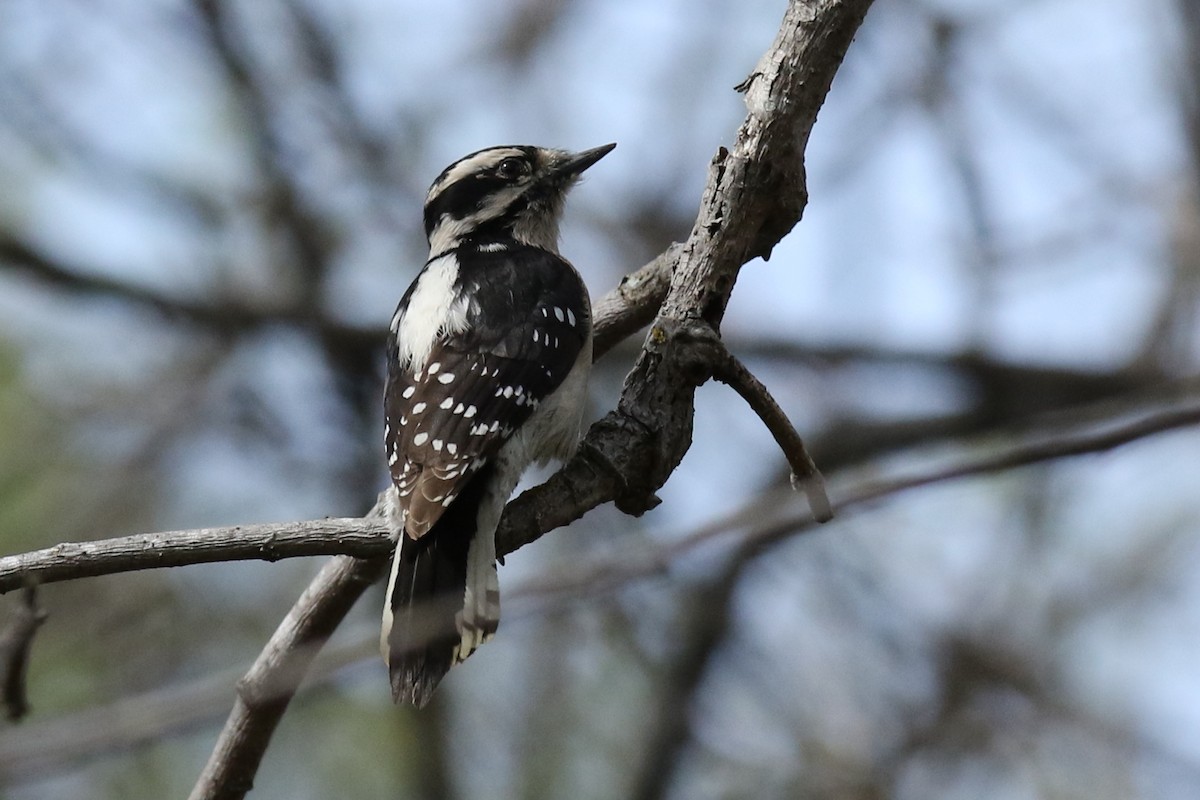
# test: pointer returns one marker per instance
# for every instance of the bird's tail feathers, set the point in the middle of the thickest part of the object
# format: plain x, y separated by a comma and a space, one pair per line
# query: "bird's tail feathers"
443, 597
480, 615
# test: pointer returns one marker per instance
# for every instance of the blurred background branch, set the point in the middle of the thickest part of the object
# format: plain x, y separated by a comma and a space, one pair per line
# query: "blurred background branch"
209, 209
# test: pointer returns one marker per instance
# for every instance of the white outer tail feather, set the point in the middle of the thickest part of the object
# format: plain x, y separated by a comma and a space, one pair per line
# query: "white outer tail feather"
480, 615
394, 514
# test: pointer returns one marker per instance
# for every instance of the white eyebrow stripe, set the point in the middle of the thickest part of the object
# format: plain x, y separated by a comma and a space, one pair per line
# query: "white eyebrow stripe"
468, 166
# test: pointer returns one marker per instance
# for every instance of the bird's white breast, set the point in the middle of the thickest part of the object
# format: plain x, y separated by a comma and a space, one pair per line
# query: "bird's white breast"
435, 308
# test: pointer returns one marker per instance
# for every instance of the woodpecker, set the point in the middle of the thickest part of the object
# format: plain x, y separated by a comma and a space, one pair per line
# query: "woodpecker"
488, 360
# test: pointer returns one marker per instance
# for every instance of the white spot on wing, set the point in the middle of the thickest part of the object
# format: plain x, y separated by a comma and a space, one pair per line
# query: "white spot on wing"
418, 408
449, 401
420, 438
408, 392
446, 377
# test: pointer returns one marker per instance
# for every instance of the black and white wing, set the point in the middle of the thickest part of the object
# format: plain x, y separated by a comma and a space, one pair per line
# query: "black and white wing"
527, 321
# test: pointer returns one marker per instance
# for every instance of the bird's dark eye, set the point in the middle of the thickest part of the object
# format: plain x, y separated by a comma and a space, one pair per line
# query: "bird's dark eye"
512, 168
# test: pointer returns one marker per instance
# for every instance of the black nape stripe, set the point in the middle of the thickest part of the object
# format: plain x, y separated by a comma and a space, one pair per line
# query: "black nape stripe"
466, 197
460, 199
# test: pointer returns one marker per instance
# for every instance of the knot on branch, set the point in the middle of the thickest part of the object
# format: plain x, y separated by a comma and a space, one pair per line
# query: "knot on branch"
631, 492
656, 406
687, 347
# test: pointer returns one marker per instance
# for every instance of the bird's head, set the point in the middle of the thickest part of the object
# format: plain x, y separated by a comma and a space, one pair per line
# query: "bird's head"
511, 191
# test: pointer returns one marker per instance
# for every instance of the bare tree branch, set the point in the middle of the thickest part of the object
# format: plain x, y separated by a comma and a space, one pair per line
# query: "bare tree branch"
267, 689
633, 304
267, 542
619, 314
21, 257
39, 748
805, 475
1033, 450
15, 644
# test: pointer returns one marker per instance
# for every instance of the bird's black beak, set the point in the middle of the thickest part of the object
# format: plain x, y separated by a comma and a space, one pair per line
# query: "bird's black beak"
574, 164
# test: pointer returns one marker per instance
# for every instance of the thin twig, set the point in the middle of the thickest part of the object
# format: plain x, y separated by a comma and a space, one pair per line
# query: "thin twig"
1033, 450
805, 475
15, 645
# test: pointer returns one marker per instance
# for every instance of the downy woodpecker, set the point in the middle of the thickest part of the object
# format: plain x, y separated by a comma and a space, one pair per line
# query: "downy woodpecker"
488, 361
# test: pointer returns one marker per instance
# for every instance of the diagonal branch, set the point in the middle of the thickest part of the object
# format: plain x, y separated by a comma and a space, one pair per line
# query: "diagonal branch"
805, 475
267, 689
15, 643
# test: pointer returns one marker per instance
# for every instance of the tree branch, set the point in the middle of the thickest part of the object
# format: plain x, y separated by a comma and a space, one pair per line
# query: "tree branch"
619, 314
633, 304
752, 533
267, 542
1033, 449
805, 475
267, 689
15, 643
